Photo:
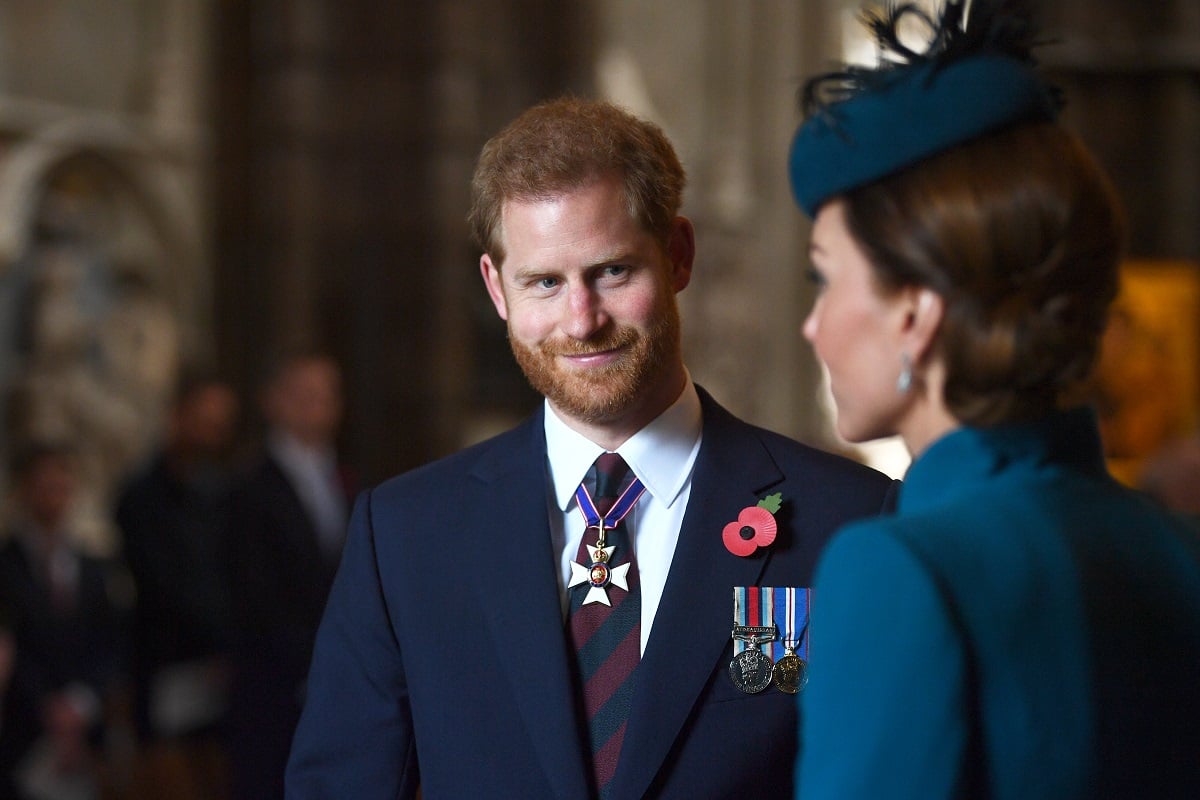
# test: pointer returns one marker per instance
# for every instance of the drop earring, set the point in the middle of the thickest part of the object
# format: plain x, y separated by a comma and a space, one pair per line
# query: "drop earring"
904, 380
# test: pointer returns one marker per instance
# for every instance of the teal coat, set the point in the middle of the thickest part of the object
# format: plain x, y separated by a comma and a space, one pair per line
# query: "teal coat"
1022, 627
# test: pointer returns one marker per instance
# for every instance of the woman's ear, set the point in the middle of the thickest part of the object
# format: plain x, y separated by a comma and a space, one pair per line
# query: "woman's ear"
925, 310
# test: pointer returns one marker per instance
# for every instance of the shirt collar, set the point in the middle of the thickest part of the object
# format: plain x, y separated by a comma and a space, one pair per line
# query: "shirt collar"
661, 454
289, 450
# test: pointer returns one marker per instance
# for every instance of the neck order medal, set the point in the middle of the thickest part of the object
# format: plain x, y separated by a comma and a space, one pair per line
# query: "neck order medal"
600, 573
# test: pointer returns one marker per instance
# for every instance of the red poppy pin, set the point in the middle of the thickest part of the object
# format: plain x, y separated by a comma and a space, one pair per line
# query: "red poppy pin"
754, 528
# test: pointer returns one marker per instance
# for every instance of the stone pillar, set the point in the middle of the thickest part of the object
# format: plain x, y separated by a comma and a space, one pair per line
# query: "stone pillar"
722, 79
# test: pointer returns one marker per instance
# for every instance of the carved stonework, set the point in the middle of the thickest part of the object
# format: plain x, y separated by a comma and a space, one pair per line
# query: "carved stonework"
94, 342
102, 283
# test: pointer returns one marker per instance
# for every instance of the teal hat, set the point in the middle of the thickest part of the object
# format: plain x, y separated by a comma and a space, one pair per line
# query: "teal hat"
971, 81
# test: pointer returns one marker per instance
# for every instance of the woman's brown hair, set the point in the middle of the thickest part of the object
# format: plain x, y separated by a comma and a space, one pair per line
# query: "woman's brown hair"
1021, 234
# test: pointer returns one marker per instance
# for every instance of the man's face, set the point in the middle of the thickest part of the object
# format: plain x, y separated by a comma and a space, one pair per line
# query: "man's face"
206, 421
589, 297
48, 490
306, 401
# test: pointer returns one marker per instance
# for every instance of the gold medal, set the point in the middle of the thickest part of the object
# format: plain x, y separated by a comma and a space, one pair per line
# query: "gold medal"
790, 672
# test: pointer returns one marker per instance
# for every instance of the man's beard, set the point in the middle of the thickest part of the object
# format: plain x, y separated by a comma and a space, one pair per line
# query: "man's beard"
605, 393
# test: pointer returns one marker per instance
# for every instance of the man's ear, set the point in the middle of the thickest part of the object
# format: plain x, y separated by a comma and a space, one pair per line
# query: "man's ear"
925, 310
495, 285
681, 252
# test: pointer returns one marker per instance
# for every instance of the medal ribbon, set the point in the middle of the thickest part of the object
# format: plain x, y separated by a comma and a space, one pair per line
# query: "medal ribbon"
753, 606
792, 613
786, 608
623, 506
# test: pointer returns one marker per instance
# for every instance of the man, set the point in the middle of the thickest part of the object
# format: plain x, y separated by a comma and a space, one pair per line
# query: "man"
459, 648
288, 525
174, 515
65, 626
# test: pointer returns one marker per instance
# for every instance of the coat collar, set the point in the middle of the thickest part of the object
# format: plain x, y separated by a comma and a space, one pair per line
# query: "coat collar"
963, 458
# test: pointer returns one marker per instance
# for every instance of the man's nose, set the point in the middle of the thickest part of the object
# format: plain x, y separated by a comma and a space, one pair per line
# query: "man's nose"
585, 313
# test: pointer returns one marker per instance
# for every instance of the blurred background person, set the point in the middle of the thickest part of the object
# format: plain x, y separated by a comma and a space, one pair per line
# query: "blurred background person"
8, 655
288, 526
8, 660
1023, 626
174, 517
63, 608
1172, 476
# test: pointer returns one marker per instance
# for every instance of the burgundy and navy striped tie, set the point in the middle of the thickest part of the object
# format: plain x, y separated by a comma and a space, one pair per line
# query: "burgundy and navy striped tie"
608, 637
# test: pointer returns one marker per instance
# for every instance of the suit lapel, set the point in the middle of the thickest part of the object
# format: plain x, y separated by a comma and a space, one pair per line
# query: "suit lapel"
524, 616
695, 616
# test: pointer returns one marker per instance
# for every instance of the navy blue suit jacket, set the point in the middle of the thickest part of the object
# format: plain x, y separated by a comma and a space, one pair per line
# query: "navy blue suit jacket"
442, 659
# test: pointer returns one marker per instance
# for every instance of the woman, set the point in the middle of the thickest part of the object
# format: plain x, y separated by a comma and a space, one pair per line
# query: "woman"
1022, 627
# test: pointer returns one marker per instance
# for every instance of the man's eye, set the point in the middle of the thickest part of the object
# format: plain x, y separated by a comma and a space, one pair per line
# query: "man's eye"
816, 279
547, 283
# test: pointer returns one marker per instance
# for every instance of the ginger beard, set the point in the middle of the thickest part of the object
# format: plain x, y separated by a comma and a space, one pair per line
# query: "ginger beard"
605, 393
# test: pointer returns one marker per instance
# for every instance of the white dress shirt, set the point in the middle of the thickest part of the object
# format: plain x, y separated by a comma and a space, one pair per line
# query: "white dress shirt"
313, 474
661, 455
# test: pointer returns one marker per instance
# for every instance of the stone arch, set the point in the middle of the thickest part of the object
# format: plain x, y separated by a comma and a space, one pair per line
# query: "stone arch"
95, 272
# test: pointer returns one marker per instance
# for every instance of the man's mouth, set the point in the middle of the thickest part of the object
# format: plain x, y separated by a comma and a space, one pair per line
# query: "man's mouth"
592, 358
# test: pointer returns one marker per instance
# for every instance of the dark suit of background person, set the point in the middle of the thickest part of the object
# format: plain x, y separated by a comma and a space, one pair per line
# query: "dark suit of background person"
174, 517
284, 549
60, 605
1023, 627
8, 662
442, 658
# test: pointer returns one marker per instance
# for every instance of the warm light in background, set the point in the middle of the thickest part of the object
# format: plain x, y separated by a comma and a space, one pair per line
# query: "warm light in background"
1147, 386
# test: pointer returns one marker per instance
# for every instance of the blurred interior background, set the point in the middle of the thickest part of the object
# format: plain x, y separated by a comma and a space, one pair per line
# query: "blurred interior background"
214, 181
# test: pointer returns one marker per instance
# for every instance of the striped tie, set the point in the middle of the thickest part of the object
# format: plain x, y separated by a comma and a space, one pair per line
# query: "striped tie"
608, 637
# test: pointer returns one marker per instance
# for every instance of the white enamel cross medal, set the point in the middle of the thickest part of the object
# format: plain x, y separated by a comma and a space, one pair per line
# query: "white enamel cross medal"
599, 574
